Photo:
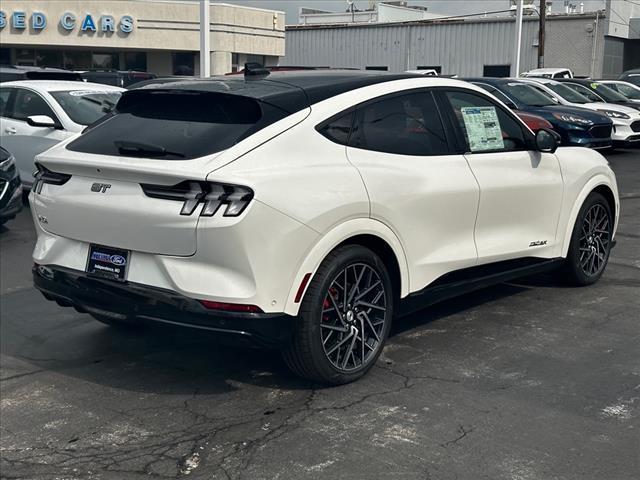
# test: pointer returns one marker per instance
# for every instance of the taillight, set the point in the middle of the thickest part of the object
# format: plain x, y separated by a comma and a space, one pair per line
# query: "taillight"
212, 195
43, 175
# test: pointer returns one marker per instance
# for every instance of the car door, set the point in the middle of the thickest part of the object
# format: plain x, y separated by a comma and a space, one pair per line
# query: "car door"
520, 189
417, 185
20, 138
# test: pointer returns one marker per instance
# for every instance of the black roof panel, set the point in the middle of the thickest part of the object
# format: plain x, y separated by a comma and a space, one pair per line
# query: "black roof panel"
291, 91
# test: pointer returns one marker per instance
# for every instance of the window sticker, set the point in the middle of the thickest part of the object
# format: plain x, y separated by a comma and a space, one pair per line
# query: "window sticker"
483, 128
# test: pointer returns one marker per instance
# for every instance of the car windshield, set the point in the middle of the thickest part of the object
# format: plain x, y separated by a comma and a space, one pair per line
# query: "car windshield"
629, 91
568, 94
605, 92
86, 106
584, 91
526, 94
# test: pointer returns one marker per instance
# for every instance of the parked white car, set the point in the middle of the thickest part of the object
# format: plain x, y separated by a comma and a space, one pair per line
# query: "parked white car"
549, 73
629, 90
306, 210
626, 120
37, 114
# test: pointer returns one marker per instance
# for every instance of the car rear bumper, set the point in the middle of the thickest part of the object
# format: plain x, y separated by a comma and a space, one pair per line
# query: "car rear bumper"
128, 301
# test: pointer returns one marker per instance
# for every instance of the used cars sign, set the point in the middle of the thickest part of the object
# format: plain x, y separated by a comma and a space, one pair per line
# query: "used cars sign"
20, 20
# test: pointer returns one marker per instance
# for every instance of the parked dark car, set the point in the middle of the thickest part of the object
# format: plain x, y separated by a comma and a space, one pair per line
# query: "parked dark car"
576, 126
118, 78
10, 187
601, 91
631, 76
9, 73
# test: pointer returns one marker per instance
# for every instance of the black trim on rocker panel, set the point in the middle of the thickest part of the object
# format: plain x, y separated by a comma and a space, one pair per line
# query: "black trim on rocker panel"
474, 278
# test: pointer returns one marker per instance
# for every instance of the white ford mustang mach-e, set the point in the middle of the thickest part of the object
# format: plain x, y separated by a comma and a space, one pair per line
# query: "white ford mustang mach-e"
306, 210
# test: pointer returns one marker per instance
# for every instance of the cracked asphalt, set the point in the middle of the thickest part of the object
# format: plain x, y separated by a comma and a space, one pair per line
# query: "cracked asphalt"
522, 381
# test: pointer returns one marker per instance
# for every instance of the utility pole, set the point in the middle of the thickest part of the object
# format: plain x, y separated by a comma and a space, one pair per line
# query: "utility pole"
205, 39
515, 69
541, 33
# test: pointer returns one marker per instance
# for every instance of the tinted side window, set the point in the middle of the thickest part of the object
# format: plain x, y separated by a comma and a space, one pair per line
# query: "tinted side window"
486, 126
28, 103
403, 124
339, 129
5, 93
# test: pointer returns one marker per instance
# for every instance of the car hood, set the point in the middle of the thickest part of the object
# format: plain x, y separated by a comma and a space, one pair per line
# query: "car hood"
613, 106
548, 111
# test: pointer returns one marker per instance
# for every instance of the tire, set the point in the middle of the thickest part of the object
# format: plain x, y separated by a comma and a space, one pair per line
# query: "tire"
590, 243
328, 347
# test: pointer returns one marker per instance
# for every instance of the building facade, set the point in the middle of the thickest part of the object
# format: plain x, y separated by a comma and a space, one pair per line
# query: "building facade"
158, 36
596, 44
384, 12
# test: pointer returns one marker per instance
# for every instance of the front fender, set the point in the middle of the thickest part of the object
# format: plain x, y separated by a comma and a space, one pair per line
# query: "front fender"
336, 236
594, 182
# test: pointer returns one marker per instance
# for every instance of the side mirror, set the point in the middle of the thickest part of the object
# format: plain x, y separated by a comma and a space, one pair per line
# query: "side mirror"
546, 141
41, 121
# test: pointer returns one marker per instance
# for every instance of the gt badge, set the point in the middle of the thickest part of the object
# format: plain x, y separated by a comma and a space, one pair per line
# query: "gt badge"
100, 187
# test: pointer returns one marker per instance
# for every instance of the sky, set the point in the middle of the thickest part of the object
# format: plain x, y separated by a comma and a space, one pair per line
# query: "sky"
445, 7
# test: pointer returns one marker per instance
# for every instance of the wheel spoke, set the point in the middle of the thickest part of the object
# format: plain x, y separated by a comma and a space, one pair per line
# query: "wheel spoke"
371, 305
356, 286
340, 343
349, 350
373, 329
367, 290
333, 327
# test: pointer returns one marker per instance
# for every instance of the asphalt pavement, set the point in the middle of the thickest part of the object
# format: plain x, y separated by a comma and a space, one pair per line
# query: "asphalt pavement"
522, 381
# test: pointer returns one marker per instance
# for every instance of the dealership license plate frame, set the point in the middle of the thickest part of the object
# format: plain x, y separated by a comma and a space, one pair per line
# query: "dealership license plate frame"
101, 262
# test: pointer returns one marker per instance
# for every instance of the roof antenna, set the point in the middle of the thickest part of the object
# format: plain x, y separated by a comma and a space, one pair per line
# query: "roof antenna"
255, 70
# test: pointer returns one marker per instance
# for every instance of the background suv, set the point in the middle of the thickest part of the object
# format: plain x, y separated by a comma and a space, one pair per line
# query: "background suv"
305, 211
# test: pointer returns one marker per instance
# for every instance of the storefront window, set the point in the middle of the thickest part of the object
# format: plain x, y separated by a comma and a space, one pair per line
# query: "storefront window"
5, 56
77, 60
49, 58
234, 62
25, 56
255, 59
105, 61
135, 61
183, 63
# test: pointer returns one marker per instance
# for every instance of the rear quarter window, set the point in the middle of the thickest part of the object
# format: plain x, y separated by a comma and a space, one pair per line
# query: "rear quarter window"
176, 124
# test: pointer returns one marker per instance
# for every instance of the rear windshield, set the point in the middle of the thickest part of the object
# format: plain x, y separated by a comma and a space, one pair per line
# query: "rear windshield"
86, 106
175, 124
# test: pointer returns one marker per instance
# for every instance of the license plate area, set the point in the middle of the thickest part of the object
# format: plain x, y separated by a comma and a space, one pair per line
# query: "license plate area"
108, 262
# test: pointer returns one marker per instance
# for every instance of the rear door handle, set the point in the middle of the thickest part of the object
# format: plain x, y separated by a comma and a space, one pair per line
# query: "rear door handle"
11, 130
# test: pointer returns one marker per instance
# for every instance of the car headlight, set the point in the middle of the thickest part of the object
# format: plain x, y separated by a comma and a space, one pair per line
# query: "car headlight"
8, 164
614, 114
571, 118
